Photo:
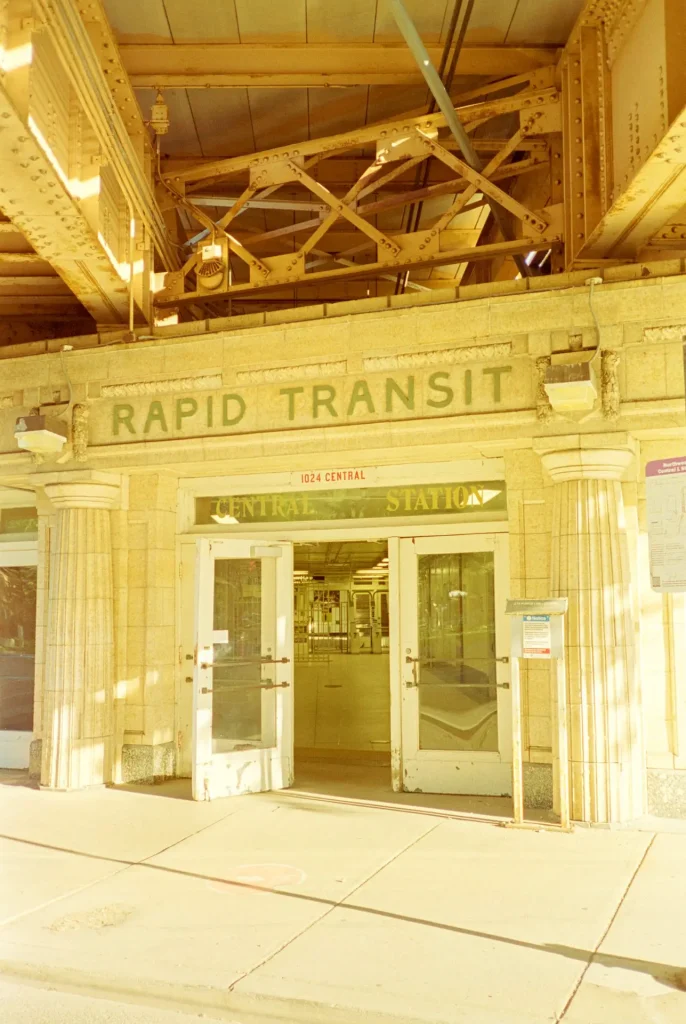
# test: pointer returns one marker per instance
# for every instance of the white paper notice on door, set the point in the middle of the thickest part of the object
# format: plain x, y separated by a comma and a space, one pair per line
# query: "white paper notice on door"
536, 636
666, 515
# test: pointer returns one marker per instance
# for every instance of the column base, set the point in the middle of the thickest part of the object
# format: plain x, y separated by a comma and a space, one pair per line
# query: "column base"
538, 786
667, 793
148, 763
35, 751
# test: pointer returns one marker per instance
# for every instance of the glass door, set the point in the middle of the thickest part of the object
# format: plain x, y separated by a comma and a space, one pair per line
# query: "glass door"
243, 678
456, 712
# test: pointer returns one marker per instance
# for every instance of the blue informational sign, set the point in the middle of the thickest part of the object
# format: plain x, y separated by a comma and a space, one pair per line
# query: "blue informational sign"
536, 636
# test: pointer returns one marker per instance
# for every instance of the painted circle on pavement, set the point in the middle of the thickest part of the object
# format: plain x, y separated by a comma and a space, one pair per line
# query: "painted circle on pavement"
262, 876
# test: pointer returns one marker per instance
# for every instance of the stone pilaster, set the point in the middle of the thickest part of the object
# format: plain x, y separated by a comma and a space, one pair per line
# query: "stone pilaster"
590, 565
77, 726
150, 737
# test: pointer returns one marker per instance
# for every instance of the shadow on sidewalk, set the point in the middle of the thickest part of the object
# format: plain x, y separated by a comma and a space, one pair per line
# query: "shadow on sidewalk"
669, 975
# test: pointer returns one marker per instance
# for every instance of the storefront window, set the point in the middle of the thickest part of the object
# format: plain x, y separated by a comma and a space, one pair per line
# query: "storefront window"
17, 646
457, 668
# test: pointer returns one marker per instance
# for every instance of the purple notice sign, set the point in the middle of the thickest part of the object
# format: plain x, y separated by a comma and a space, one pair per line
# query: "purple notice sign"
666, 514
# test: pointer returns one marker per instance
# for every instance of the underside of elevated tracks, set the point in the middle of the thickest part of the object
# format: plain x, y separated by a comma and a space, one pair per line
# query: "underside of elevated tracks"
167, 162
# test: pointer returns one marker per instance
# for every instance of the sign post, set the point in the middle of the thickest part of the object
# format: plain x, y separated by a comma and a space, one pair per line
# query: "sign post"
537, 632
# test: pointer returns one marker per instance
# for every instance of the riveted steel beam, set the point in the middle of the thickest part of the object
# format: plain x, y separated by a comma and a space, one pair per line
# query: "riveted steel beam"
309, 65
470, 115
87, 48
655, 195
34, 196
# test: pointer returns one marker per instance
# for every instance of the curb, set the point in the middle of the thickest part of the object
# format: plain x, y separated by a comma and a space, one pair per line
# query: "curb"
213, 1003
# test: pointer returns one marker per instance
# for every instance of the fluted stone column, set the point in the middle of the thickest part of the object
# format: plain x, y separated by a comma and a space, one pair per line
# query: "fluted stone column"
78, 683
590, 566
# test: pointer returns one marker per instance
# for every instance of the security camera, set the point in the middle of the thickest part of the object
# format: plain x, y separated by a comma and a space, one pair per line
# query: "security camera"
42, 435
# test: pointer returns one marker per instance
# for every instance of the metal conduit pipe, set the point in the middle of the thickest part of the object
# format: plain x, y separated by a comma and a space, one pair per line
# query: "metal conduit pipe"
81, 63
432, 78
421, 178
422, 175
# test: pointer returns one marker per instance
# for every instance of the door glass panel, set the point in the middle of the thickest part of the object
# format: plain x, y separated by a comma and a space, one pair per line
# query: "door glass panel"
239, 675
384, 619
17, 646
362, 603
457, 668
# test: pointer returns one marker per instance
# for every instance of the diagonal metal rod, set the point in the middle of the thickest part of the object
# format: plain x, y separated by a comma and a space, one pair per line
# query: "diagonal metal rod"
440, 94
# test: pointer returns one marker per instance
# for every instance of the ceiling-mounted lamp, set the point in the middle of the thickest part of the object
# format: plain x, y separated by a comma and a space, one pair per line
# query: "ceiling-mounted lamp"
159, 116
211, 270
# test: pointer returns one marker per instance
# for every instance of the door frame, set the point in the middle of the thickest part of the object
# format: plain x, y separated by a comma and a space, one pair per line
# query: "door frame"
391, 532
234, 772
15, 744
433, 770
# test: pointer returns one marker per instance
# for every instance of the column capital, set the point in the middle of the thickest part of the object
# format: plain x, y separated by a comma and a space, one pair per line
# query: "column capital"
587, 463
81, 488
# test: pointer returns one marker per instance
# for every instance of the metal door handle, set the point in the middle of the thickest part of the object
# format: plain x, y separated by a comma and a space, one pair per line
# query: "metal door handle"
502, 686
504, 661
269, 685
409, 660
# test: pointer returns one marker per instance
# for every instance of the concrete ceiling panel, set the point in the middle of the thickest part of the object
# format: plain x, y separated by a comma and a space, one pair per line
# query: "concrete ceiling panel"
546, 23
278, 119
136, 21
350, 22
222, 119
261, 21
215, 21
338, 110
489, 23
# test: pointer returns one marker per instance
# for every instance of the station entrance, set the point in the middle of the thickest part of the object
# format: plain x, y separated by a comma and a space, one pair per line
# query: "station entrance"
376, 662
342, 693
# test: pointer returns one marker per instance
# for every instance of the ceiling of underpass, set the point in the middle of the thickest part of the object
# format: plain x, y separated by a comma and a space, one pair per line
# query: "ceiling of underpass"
212, 122
244, 76
339, 557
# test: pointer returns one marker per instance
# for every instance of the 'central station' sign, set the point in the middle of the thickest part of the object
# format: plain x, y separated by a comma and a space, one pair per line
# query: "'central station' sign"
353, 503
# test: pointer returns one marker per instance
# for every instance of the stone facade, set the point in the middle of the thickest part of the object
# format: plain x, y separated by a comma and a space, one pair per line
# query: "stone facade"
396, 383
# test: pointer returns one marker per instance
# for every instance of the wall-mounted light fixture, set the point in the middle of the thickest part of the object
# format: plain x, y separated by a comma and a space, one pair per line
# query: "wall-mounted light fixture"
571, 387
43, 435
572, 384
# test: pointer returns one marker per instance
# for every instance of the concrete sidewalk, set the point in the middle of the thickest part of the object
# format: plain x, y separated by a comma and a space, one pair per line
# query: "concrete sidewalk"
280, 907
